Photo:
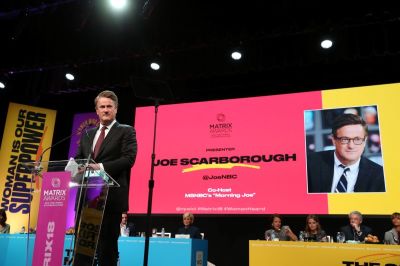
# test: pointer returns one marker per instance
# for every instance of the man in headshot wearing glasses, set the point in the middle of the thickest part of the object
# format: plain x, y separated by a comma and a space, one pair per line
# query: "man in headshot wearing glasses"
345, 170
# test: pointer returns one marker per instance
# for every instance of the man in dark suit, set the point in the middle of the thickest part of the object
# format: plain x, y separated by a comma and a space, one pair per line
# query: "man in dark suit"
345, 169
355, 231
127, 229
115, 154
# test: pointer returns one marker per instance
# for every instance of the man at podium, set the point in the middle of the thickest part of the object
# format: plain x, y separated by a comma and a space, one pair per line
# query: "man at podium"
113, 147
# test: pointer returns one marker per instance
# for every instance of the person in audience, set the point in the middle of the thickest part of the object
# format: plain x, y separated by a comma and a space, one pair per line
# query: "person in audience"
313, 231
283, 233
392, 236
355, 231
189, 228
127, 229
4, 227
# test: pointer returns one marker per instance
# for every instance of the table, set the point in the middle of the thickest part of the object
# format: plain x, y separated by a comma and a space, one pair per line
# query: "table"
162, 251
282, 253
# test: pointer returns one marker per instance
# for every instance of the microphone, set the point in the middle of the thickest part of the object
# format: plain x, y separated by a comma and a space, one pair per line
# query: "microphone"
91, 148
38, 163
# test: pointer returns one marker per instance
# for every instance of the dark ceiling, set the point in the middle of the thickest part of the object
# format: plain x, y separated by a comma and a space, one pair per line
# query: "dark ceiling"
193, 39
41, 40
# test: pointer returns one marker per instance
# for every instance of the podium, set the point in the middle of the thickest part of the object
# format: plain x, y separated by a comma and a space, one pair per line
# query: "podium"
57, 181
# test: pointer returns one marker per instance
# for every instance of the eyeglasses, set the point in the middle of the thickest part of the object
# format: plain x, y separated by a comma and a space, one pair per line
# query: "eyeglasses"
345, 140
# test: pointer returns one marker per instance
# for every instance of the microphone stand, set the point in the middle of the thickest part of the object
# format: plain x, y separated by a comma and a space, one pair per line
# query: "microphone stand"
151, 186
81, 197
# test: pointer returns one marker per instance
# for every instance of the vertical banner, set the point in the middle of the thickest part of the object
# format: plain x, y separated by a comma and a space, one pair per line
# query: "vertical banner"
27, 132
81, 123
50, 234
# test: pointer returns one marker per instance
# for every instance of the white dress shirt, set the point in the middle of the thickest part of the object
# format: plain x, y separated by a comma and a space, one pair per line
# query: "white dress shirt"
351, 174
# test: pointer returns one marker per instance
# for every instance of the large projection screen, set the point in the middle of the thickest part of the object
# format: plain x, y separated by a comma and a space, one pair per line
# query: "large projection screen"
249, 155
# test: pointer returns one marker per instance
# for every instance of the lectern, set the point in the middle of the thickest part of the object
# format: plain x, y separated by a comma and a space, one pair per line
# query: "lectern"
56, 180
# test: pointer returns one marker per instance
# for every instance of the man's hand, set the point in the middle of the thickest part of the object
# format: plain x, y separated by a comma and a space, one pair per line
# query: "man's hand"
94, 166
290, 233
356, 226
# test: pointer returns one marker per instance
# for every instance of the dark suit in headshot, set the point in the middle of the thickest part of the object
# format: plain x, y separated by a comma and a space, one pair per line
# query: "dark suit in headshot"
345, 169
116, 155
320, 167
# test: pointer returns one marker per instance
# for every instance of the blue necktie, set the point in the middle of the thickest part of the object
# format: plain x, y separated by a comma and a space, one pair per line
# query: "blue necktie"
342, 185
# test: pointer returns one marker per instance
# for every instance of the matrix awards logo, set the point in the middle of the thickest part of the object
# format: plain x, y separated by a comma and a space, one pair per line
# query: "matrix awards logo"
221, 117
55, 182
221, 128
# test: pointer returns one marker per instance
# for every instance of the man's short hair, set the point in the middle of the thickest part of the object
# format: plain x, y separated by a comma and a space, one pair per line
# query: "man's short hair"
106, 94
348, 119
356, 213
395, 215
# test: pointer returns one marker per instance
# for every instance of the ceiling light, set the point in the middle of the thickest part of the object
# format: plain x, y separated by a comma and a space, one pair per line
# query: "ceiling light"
236, 55
69, 76
118, 4
326, 44
155, 66
2, 85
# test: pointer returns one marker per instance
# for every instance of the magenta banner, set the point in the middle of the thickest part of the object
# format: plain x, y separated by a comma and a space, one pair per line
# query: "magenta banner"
238, 157
50, 232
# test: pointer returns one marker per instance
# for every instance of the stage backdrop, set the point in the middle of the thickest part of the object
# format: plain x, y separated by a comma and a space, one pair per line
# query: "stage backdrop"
248, 156
27, 133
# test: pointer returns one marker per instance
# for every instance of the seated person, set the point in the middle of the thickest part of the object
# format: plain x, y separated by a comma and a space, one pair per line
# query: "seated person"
70, 230
355, 230
283, 233
127, 229
188, 228
313, 231
392, 236
4, 227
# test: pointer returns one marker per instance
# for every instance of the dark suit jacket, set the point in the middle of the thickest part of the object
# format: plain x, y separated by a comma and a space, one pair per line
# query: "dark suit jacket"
193, 231
350, 234
117, 154
320, 174
131, 227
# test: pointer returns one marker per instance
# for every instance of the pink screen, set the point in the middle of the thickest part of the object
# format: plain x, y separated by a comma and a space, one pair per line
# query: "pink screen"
240, 156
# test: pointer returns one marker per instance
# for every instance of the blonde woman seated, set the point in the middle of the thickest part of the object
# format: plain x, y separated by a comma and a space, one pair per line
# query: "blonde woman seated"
188, 228
279, 232
313, 231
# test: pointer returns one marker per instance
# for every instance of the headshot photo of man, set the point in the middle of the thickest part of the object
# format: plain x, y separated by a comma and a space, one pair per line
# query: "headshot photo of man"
345, 169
